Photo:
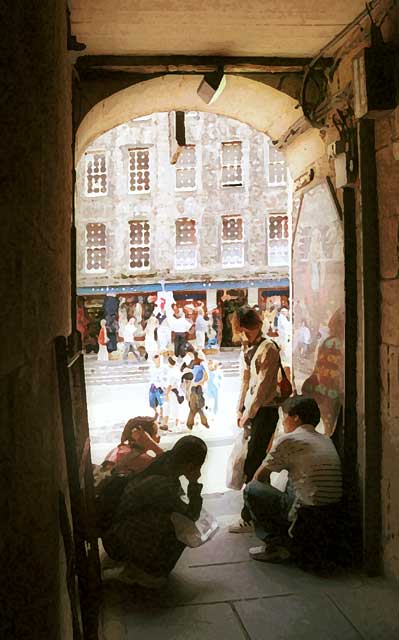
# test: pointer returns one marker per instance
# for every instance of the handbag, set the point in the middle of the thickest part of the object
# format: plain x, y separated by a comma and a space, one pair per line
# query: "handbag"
194, 534
235, 476
284, 385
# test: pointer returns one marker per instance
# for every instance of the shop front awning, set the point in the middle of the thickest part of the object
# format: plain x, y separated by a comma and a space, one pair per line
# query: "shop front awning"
279, 286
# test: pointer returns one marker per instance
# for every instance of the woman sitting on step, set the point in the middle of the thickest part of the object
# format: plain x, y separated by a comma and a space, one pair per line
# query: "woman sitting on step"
139, 446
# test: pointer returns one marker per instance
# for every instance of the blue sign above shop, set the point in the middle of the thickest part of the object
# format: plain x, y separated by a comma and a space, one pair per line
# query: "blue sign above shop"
277, 285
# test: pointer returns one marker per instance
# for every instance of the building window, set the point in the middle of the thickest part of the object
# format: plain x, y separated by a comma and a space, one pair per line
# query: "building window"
232, 241
278, 240
139, 244
96, 174
139, 170
231, 164
186, 243
277, 168
186, 169
96, 250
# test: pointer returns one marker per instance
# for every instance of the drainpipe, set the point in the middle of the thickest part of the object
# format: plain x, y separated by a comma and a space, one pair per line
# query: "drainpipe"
370, 437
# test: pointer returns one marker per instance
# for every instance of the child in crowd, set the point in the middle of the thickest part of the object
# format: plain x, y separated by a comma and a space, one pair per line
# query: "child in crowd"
156, 392
215, 377
196, 401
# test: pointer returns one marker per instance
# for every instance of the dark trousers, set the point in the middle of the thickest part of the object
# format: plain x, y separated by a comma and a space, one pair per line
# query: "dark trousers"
268, 508
196, 403
180, 344
262, 429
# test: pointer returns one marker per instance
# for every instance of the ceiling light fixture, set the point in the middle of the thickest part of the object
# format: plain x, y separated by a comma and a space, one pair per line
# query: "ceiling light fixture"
212, 85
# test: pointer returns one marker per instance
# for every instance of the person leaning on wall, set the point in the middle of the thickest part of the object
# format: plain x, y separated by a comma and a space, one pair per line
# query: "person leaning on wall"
257, 409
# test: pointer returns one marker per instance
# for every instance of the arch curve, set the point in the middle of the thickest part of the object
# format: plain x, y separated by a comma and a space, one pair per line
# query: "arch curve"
258, 105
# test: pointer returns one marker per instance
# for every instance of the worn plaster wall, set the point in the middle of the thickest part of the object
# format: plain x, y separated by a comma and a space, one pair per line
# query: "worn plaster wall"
35, 229
387, 155
207, 203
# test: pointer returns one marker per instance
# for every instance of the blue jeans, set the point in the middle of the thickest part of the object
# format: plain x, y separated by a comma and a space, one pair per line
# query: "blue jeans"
155, 396
213, 393
269, 509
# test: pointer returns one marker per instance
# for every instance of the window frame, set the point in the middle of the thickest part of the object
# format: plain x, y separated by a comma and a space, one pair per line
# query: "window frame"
145, 191
195, 167
90, 154
231, 242
272, 183
269, 216
104, 246
138, 246
227, 185
187, 244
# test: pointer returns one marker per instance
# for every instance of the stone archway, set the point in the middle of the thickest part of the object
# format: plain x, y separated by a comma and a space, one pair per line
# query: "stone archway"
262, 107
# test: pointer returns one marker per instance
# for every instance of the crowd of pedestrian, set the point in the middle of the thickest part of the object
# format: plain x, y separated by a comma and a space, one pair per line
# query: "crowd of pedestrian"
164, 332
182, 388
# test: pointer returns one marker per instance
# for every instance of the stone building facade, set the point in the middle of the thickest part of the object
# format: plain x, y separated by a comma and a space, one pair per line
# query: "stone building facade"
218, 218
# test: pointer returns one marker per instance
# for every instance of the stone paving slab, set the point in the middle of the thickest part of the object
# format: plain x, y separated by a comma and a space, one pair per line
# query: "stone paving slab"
225, 583
296, 617
373, 608
222, 549
217, 591
204, 622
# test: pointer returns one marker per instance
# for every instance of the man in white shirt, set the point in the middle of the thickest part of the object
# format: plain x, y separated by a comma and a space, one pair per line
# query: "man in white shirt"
201, 327
180, 327
314, 479
128, 340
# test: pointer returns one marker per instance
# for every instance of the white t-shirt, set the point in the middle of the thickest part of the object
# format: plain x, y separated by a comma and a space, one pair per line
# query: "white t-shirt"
173, 377
179, 325
201, 324
312, 463
158, 376
129, 332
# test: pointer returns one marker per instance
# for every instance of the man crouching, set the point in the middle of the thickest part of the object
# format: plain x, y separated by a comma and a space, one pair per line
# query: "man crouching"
314, 479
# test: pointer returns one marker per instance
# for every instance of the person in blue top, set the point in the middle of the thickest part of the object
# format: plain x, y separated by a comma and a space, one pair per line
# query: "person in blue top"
196, 399
214, 381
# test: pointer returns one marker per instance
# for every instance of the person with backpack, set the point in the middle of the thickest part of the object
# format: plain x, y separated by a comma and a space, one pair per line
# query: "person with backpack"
141, 534
196, 400
138, 447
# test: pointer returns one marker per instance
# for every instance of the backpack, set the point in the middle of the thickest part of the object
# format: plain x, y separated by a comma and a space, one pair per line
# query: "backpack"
108, 498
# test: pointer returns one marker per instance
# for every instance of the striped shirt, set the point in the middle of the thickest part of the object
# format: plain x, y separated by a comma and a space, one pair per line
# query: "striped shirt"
313, 465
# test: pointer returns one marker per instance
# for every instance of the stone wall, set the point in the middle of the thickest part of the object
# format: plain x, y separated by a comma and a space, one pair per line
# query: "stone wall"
387, 155
163, 204
35, 256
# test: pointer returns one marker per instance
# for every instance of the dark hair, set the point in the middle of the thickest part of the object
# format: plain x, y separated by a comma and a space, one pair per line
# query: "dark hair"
171, 360
304, 407
147, 423
189, 449
248, 317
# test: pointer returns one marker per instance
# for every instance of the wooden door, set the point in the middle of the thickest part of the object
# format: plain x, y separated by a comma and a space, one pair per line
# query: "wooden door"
86, 566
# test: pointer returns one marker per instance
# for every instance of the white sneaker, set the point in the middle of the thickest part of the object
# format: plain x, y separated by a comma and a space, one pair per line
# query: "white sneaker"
241, 527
